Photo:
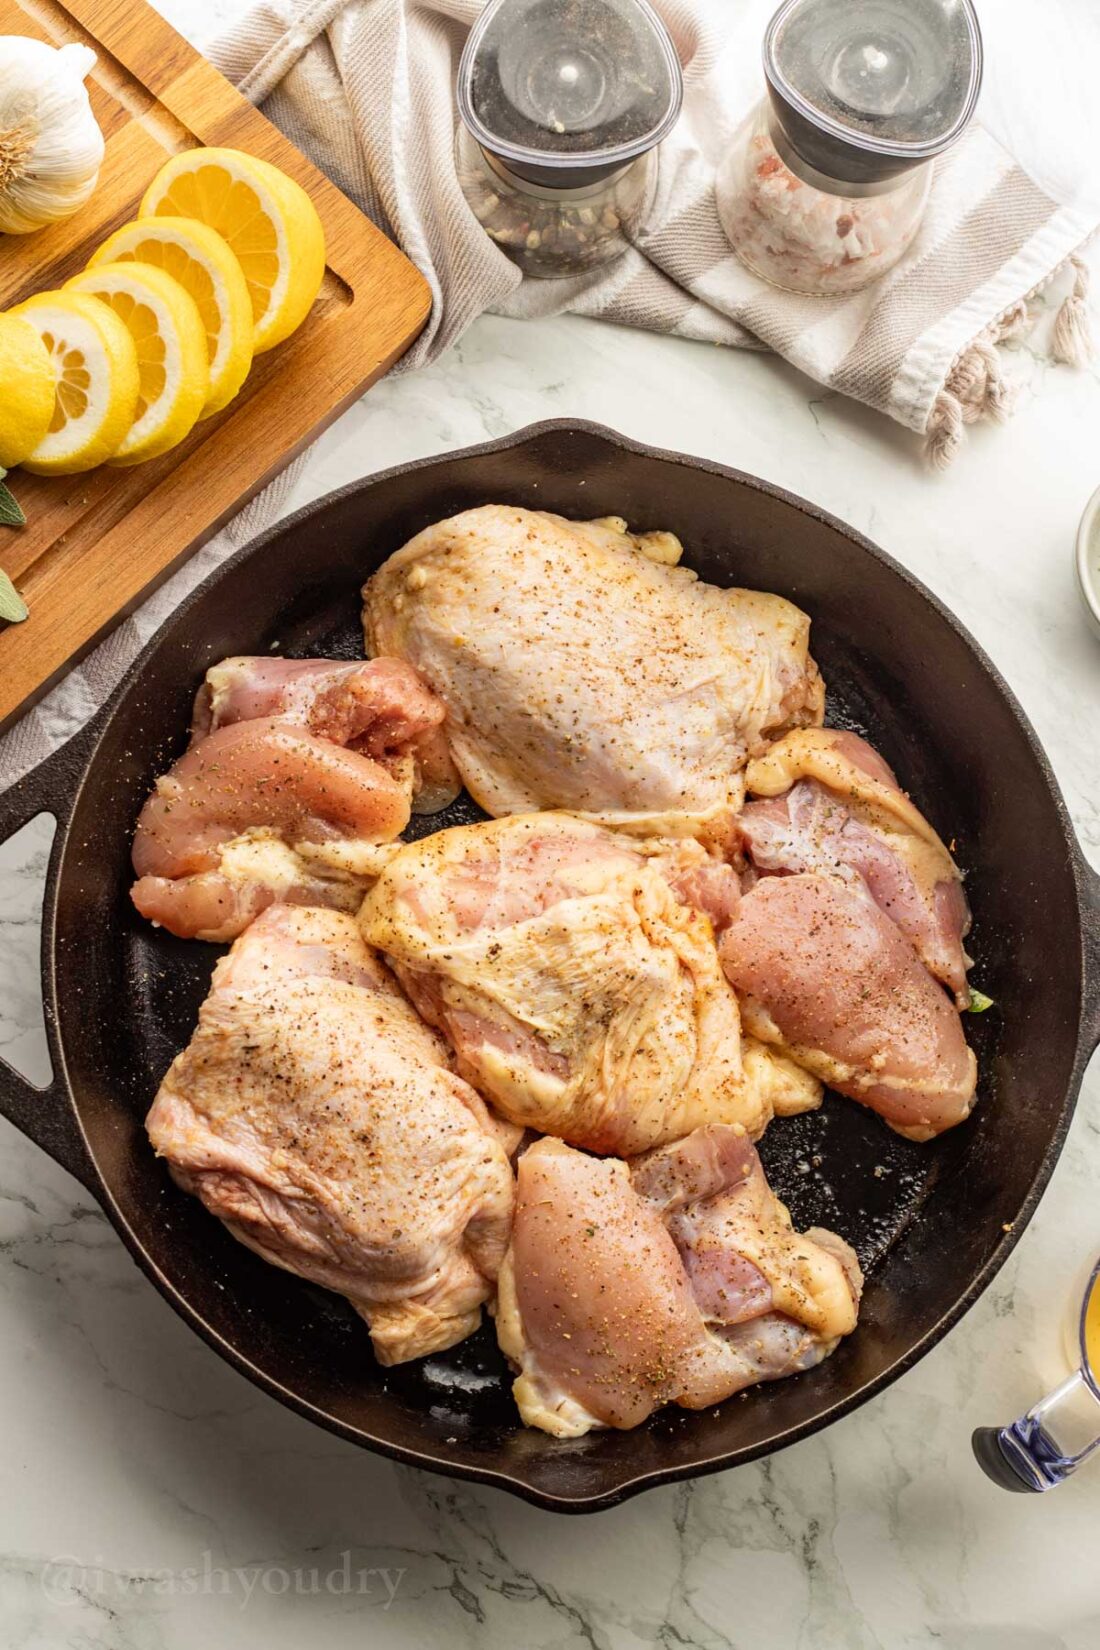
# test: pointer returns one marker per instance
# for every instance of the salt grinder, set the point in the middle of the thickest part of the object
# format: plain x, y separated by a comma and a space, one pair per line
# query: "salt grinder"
826, 183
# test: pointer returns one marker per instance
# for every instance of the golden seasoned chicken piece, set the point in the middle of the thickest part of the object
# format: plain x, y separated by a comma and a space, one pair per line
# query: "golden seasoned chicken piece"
317, 1117
581, 995
676, 1280
582, 669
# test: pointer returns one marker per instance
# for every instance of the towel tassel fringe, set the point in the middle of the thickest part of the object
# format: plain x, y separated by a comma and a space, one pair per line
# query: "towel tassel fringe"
1072, 341
976, 387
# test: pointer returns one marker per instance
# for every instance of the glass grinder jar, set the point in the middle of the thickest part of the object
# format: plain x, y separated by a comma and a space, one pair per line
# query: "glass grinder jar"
563, 103
826, 184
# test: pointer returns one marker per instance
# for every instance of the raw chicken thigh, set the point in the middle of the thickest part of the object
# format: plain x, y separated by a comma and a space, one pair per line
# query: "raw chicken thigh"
379, 707
581, 669
823, 975
297, 771
317, 1117
581, 996
257, 812
677, 1279
833, 805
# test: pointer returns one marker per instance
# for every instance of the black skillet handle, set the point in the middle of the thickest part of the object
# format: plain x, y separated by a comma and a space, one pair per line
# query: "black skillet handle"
46, 1115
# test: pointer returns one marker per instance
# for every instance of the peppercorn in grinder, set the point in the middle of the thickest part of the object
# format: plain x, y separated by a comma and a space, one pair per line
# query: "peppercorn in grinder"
563, 105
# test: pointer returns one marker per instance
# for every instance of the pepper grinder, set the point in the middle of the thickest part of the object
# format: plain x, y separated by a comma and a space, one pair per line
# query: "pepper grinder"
826, 183
563, 104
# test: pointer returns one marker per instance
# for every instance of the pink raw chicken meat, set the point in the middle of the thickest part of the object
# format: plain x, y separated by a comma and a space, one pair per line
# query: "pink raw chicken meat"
257, 812
377, 706
677, 1279
833, 805
317, 1117
298, 769
824, 976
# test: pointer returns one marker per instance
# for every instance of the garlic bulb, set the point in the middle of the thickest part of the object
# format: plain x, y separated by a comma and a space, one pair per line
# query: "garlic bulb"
51, 148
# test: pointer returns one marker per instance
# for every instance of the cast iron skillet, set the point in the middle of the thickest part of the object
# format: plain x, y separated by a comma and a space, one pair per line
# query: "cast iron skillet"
932, 1223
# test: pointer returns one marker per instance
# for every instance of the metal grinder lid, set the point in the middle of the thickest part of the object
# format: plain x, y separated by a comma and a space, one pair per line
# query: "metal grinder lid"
566, 92
865, 90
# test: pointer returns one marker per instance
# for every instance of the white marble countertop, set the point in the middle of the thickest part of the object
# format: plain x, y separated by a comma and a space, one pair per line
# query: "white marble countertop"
153, 1499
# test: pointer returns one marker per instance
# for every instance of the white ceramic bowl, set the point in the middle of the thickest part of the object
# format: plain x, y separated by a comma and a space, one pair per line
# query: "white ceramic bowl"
1088, 560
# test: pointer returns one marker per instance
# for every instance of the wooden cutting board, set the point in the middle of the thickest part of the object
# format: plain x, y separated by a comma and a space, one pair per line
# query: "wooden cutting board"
96, 544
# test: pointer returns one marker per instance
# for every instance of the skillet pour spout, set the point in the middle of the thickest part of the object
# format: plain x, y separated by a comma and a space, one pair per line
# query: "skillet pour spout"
932, 1228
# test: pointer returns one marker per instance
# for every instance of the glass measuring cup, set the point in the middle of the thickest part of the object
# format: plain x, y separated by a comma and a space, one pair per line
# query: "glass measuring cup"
1062, 1430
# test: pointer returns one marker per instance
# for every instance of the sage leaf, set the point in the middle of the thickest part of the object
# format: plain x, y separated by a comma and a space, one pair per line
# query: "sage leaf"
10, 513
13, 609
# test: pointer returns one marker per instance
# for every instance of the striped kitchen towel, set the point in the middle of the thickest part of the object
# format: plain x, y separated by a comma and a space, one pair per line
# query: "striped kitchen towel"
366, 88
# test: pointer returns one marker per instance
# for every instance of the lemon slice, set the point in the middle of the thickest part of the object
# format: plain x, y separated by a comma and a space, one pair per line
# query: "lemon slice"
200, 260
96, 381
170, 340
268, 220
27, 381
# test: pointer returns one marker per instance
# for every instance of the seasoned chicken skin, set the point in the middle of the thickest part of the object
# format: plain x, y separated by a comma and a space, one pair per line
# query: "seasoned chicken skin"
317, 1117
678, 1279
824, 976
581, 669
581, 996
833, 805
